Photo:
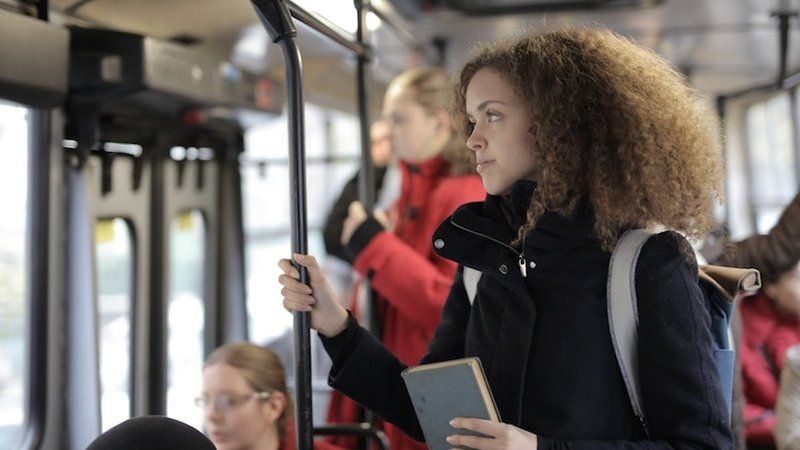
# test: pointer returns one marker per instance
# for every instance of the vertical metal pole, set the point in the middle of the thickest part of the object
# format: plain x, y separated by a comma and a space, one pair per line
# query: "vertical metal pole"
37, 280
748, 174
157, 362
43, 10
721, 104
795, 115
297, 181
37, 271
274, 15
366, 178
784, 17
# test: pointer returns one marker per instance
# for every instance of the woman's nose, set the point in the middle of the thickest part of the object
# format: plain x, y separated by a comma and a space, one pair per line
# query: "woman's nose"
476, 141
212, 413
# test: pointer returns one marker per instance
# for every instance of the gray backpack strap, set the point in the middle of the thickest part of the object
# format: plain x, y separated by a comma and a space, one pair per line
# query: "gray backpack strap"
471, 277
623, 317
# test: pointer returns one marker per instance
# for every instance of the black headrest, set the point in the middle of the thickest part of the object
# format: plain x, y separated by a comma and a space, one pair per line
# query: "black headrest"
151, 433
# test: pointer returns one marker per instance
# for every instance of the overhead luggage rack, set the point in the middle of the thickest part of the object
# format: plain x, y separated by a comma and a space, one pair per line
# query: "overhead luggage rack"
34, 57
110, 67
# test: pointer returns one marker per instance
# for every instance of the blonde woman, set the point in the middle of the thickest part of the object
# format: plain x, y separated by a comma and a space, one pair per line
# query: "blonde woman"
245, 402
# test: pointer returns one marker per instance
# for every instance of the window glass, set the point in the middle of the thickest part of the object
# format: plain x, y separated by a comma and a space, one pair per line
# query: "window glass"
13, 351
345, 135
270, 139
114, 253
267, 226
772, 159
266, 189
316, 131
185, 316
268, 319
341, 13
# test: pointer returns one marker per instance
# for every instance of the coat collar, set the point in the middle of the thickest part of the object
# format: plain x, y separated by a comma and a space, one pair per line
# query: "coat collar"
431, 168
495, 221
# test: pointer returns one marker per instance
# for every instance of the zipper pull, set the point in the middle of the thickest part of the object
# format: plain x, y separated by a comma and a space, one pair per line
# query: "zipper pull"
523, 266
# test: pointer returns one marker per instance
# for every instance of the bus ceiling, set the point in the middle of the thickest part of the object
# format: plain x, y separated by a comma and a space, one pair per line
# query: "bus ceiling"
34, 55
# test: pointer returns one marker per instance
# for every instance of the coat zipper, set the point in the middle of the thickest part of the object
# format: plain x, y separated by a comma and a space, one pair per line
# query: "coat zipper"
523, 264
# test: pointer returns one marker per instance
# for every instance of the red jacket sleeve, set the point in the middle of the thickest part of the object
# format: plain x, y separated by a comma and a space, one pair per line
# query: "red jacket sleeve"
759, 423
412, 283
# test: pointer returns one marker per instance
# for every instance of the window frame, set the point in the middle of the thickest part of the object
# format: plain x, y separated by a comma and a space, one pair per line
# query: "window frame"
753, 205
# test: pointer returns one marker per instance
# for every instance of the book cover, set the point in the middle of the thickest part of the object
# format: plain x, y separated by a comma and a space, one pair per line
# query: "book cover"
443, 391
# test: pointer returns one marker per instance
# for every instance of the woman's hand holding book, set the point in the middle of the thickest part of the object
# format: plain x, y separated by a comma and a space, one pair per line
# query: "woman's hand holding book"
500, 436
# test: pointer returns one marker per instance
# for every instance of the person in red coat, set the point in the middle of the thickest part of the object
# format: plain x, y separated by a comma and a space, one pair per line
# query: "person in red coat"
394, 251
768, 322
770, 326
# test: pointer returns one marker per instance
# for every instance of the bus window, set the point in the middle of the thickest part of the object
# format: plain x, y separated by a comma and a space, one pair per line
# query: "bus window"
772, 159
333, 151
13, 204
185, 315
267, 236
114, 255
345, 145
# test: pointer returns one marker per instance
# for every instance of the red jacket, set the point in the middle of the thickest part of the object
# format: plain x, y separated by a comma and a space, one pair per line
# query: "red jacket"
766, 335
411, 280
290, 440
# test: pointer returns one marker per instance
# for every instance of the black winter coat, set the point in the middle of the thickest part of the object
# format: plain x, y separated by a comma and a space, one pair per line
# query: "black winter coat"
544, 339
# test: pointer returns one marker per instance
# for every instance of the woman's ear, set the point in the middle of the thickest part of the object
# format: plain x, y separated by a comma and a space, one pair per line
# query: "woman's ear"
275, 406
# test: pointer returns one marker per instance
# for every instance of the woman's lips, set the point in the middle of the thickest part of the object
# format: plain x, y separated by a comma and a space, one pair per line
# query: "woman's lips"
482, 165
217, 436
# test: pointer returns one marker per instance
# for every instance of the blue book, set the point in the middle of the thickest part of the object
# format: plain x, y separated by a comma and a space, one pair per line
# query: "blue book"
443, 391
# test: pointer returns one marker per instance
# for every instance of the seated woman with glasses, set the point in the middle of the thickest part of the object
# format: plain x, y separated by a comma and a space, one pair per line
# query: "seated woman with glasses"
245, 402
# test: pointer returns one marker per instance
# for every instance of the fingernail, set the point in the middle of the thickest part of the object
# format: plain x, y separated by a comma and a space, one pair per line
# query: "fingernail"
453, 423
451, 439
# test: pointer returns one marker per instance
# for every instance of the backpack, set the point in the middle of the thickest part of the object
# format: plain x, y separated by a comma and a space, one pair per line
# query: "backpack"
722, 286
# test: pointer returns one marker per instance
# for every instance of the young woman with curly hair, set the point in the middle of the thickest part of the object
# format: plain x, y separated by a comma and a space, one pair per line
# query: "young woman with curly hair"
579, 136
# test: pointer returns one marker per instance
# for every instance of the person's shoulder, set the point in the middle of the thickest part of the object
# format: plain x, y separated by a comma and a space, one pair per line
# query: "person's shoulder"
459, 189
665, 253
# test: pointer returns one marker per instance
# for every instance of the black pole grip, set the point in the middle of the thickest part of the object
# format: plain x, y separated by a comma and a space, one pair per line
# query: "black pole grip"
274, 15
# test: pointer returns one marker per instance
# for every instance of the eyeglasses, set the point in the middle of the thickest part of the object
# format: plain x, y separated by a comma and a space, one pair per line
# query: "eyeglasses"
226, 402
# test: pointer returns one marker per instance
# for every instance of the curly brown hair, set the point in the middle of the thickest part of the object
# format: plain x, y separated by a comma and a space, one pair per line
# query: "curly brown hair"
612, 125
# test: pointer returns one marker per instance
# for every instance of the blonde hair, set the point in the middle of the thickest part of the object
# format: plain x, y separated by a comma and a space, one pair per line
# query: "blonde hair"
431, 88
260, 367
612, 126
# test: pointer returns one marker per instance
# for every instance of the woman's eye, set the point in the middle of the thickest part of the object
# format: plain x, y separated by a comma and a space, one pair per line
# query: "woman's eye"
492, 117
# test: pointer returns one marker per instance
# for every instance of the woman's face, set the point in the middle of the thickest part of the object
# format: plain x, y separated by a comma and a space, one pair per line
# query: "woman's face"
234, 417
499, 136
416, 134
